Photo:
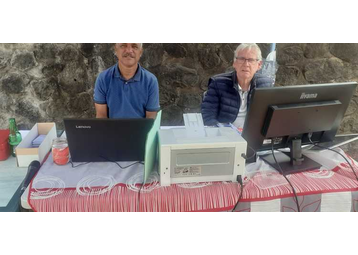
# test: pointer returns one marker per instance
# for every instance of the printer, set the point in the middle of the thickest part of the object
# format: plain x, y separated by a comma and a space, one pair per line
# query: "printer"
195, 153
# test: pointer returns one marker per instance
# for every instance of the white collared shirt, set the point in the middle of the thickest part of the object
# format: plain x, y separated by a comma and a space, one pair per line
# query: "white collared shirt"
240, 119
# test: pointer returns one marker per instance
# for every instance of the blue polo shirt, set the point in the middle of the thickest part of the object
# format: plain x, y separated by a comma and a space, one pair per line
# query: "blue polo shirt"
127, 99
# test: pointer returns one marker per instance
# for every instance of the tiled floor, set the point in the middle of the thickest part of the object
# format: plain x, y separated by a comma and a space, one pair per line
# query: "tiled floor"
11, 177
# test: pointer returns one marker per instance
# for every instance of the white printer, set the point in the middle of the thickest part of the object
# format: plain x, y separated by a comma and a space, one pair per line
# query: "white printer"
195, 153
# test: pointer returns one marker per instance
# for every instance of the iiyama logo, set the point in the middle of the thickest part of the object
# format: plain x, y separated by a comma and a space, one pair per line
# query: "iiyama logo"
308, 96
83, 126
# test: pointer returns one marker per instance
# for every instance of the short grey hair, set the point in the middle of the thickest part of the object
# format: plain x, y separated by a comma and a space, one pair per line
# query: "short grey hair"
140, 45
249, 46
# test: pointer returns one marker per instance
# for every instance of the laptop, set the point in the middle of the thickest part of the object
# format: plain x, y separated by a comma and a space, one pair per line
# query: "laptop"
101, 140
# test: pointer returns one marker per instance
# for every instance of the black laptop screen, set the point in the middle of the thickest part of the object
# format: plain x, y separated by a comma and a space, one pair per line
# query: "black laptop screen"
99, 140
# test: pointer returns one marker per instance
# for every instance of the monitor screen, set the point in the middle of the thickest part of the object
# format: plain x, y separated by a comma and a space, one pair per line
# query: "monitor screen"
98, 140
286, 117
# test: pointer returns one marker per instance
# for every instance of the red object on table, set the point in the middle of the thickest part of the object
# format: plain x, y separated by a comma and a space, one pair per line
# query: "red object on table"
4, 144
60, 155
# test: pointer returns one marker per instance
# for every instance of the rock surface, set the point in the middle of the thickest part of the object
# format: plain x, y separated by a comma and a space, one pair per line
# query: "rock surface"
48, 82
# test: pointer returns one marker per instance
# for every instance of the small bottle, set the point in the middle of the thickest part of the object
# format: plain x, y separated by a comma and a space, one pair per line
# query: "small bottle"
14, 136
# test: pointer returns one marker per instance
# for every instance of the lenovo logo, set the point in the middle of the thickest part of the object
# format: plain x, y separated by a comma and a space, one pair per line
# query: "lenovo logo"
83, 126
308, 96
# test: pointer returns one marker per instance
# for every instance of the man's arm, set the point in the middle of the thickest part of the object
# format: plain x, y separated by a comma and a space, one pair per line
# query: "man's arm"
150, 115
210, 105
101, 111
99, 98
152, 106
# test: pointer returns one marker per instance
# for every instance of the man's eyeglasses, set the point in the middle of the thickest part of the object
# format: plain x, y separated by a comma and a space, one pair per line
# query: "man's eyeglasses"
242, 60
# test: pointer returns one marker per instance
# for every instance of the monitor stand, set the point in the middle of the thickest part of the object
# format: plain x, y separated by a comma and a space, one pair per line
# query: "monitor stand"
287, 167
292, 162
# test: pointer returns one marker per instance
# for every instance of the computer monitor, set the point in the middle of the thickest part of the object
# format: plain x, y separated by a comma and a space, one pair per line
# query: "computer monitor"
286, 117
99, 140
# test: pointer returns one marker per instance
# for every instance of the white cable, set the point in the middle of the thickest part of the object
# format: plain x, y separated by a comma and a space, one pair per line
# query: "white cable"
151, 183
57, 186
87, 186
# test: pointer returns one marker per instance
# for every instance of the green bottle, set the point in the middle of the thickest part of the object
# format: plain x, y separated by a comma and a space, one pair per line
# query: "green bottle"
14, 136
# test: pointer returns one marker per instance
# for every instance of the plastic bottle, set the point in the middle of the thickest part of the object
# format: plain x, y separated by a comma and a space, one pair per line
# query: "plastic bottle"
14, 136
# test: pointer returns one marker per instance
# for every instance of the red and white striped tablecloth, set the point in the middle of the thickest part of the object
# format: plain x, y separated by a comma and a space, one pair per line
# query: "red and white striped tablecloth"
103, 187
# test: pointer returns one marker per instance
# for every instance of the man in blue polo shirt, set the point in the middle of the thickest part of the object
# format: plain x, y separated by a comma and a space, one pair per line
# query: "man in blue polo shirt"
127, 90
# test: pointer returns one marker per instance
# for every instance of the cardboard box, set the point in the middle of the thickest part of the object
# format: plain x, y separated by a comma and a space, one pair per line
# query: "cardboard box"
25, 154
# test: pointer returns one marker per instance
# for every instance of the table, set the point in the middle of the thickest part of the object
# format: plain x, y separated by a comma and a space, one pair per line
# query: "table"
105, 187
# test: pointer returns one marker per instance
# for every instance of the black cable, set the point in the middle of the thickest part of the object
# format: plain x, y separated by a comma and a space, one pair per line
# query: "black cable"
122, 167
293, 189
239, 179
73, 166
138, 162
138, 200
315, 144
142, 185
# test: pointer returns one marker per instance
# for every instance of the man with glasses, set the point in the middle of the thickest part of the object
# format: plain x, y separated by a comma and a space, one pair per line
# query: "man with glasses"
228, 95
127, 90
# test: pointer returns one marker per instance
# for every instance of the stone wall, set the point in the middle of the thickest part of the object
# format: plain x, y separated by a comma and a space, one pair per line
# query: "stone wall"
47, 82
321, 63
